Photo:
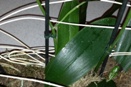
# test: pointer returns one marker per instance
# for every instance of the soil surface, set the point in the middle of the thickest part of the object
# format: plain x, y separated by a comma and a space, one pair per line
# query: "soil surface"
123, 79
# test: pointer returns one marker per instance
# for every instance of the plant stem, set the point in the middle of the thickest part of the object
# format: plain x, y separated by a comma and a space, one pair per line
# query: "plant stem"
54, 27
43, 11
123, 29
72, 10
51, 25
109, 49
67, 14
114, 33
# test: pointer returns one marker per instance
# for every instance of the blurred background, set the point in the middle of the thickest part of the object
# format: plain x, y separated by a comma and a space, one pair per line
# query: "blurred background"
32, 31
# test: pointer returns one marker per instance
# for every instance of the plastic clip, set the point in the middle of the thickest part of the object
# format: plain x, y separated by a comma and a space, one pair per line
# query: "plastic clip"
48, 35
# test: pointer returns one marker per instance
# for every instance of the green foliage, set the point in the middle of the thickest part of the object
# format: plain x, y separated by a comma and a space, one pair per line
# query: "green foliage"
78, 52
123, 42
82, 12
77, 57
67, 32
116, 42
124, 45
113, 73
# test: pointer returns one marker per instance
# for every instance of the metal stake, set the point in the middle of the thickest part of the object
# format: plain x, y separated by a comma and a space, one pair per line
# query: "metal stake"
47, 31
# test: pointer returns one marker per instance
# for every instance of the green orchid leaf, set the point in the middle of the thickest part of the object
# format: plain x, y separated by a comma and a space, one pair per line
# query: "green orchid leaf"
113, 73
82, 12
124, 45
80, 55
67, 32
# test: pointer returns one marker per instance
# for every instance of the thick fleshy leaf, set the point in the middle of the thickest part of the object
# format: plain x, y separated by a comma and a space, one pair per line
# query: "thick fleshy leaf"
66, 32
113, 73
124, 45
80, 55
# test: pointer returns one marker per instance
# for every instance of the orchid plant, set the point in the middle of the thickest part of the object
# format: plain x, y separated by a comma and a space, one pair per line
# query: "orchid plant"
80, 48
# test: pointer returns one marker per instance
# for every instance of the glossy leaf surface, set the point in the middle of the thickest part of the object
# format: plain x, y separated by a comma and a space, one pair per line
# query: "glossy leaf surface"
80, 55
124, 45
66, 32
114, 72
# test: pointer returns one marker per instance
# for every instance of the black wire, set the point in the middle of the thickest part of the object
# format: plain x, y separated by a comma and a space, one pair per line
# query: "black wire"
118, 21
47, 31
114, 33
112, 9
